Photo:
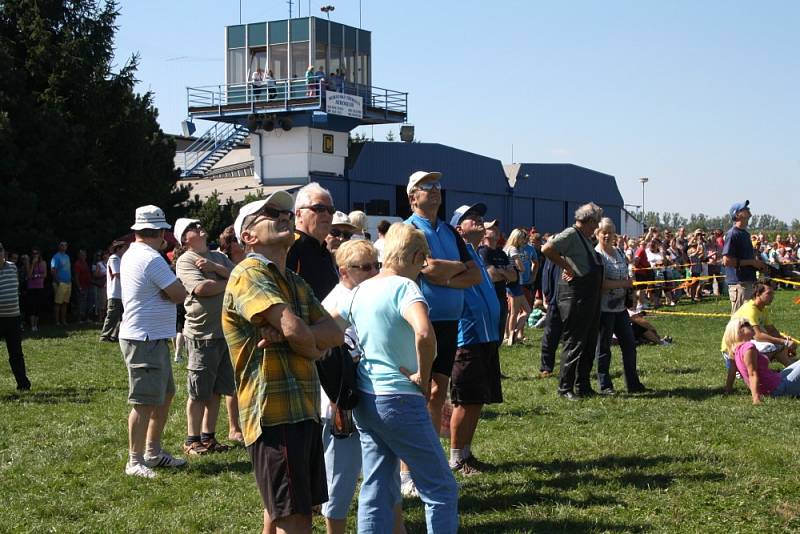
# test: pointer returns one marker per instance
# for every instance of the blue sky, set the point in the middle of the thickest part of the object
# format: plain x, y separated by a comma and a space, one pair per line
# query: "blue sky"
701, 97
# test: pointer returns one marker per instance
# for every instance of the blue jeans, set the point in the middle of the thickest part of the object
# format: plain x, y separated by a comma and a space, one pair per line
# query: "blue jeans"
394, 428
790, 382
342, 468
618, 323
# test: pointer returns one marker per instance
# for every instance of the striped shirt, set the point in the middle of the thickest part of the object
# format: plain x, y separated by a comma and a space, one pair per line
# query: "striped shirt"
147, 314
9, 290
274, 385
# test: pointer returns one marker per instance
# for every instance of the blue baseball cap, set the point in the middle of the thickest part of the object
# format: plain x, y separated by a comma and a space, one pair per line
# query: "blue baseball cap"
458, 215
739, 206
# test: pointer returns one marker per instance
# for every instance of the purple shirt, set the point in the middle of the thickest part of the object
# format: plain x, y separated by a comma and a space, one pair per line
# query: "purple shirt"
768, 380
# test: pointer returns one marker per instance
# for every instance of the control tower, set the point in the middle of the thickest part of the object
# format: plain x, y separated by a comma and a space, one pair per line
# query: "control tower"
298, 122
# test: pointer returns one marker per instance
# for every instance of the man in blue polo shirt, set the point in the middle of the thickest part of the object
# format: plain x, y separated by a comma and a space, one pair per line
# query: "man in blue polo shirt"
739, 258
476, 370
449, 270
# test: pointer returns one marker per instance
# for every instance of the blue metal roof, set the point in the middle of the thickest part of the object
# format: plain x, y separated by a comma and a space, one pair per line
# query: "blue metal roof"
393, 163
564, 181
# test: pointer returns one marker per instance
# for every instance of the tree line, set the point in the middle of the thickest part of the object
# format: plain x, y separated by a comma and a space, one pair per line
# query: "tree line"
674, 220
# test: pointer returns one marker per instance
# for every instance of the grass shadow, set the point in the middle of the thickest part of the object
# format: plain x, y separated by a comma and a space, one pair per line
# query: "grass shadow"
546, 525
219, 468
58, 395
694, 394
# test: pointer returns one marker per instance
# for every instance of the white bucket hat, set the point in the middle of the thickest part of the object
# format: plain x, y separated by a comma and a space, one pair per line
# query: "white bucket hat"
180, 227
150, 218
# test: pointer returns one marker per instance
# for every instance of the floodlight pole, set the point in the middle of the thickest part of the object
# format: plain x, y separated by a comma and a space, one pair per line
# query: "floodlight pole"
643, 180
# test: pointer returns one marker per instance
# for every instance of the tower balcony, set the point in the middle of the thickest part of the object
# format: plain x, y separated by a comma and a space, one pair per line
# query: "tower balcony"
233, 103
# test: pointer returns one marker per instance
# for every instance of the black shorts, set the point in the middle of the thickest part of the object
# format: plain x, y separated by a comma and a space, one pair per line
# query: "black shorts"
446, 346
289, 467
476, 375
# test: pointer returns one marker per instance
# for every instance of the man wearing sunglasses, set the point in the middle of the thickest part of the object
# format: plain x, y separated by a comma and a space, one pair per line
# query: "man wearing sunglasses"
308, 256
449, 270
276, 378
476, 378
341, 231
204, 273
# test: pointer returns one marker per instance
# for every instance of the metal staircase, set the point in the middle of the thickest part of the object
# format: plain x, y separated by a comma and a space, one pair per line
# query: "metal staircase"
211, 147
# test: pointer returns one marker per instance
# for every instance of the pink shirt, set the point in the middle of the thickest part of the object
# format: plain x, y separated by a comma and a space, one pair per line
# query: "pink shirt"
38, 274
768, 381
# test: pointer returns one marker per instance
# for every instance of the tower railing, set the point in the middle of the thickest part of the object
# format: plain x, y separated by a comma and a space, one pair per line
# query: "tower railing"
288, 94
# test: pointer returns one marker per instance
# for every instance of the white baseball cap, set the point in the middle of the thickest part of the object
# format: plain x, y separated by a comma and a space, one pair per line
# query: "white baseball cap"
180, 227
419, 176
279, 199
342, 219
458, 215
150, 218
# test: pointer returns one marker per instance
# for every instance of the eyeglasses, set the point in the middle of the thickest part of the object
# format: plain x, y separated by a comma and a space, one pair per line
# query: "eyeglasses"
429, 186
744, 324
319, 208
367, 267
335, 232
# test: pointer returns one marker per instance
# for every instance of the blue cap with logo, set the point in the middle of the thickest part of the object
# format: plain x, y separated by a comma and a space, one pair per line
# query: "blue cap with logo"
739, 206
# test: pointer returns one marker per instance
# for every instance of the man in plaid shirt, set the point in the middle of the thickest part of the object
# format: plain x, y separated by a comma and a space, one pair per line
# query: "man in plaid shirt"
276, 379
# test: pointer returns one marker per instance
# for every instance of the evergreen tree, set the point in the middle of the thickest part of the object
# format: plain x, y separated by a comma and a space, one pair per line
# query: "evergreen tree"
81, 150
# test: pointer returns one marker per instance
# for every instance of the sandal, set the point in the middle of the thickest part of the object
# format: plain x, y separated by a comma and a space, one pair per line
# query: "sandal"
212, 445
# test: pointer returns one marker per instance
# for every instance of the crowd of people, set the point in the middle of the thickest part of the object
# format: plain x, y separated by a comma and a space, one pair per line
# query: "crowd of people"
421, 313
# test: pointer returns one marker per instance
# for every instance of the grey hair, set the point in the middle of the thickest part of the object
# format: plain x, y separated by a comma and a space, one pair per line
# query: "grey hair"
303, 197
608, 223
590, 212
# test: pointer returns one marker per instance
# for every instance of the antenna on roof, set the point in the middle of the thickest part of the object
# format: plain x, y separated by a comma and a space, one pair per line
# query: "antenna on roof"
290, 7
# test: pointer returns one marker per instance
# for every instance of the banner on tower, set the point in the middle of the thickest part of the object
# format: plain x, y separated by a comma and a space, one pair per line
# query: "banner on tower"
343, 104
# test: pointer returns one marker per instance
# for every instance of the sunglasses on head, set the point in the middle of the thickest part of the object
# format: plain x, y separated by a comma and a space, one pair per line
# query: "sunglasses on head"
335, 232
367, 267
194, 226
320, 208
430, 186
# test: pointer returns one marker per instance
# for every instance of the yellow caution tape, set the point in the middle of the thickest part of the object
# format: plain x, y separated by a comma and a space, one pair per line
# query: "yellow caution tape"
783, 281
692, 279
688, 314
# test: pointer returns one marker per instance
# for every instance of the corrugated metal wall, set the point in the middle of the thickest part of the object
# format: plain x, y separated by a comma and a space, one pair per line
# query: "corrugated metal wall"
547, 198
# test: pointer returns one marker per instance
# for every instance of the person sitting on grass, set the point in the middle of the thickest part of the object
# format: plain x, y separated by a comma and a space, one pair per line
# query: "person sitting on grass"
753, 365
768, 340
644, 331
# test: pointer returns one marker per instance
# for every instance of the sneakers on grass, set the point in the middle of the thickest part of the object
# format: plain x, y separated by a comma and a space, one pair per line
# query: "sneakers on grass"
408, 489
164, 459
139, 470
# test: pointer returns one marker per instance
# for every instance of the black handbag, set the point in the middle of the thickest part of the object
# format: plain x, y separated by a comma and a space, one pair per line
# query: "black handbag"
337, 376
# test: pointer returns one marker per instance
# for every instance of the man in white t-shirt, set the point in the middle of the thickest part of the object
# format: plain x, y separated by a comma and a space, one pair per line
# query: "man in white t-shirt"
110, 331
150, 292
383, 227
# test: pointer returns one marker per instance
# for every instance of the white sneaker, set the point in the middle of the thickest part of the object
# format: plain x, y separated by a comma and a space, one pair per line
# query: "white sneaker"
178, 359
139, 470
408, 489
164, 459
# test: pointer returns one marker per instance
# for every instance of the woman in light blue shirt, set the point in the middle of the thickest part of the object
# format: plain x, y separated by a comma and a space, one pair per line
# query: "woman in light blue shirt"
390, 316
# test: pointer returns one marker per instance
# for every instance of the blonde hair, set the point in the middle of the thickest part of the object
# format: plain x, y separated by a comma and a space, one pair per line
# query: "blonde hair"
732, 337
349, 251
358, 219
400, 244
517, 238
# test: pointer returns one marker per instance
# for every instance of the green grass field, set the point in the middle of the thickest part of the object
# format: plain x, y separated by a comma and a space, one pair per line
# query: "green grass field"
683, 458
